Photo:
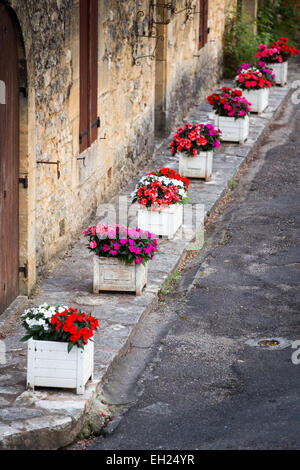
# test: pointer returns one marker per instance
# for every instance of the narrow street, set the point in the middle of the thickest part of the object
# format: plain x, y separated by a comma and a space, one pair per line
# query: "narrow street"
190, 380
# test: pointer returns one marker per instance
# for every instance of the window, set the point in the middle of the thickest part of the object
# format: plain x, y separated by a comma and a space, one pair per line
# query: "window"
203, 29
88, 73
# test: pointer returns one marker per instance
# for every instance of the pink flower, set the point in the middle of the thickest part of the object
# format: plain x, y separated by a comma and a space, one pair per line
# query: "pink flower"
93, 244
116, 246
138, 260
111, 234
113, 252
123, 241
105, 247
132, 232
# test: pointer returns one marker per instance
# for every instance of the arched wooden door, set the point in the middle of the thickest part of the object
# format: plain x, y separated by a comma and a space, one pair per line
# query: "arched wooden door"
9, 161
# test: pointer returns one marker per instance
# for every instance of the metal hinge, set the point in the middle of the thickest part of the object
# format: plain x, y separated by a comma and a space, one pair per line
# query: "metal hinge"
24, 181
24, 270
82, 134
23, 90
96, 123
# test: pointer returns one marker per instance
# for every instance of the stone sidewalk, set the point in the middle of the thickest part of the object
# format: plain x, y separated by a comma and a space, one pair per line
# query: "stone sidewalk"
52, 418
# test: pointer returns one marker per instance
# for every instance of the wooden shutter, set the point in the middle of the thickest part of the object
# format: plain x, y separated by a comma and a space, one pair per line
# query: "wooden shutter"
203, 23
88, 72
93, 69
84, 75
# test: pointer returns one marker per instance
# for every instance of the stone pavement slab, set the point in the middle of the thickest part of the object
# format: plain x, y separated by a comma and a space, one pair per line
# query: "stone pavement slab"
52, 418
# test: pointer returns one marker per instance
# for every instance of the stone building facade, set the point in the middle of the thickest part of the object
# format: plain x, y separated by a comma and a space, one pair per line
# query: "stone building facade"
97, 81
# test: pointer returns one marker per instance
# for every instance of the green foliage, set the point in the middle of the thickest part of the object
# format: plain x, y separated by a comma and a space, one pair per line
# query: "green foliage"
273, 21
281, 19
169, 285
240, 42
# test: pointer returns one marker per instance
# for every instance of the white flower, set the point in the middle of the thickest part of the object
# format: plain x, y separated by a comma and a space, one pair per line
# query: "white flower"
61, 309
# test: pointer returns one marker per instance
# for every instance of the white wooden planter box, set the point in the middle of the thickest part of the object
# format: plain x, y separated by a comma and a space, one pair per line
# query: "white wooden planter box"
111, 274
280, 71
199, 166
259, 99
50, 365
233, 130
163, 223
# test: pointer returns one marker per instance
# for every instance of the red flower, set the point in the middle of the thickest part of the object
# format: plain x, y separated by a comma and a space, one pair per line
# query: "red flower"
78, 326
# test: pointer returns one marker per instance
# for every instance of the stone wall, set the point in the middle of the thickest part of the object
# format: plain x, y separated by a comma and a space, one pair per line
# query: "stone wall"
54, 211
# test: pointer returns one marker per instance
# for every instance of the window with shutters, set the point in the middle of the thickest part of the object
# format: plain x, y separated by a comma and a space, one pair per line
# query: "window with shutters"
88, 73
203, 24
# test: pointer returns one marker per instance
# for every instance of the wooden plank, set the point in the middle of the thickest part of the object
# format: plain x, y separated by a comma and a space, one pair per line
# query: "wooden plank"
56, 355
9, 161
51, 346
54, 364
84, 74
53, 373
55, 382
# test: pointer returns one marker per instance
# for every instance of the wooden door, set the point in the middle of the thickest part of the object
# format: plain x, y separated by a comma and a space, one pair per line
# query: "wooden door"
9, 161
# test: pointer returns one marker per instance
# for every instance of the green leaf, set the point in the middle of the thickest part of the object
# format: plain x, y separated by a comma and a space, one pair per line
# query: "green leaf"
25, 338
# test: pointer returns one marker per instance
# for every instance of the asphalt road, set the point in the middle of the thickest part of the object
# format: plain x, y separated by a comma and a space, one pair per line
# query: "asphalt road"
190, 381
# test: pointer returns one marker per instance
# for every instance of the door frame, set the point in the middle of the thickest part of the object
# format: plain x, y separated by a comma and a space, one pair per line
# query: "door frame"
27, 164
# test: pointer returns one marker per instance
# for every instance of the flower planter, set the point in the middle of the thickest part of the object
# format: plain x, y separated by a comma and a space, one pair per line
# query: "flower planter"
259, 99
50, 365
163, 222
199, 166
233, 130
111, 274
280, 70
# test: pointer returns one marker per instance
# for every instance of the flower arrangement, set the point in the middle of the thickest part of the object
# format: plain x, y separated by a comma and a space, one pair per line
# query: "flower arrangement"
192, 139
251, 79
230, 103
128, 244
262, 67
62, 324
270, 55
160, 189
286, 51
279, 51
